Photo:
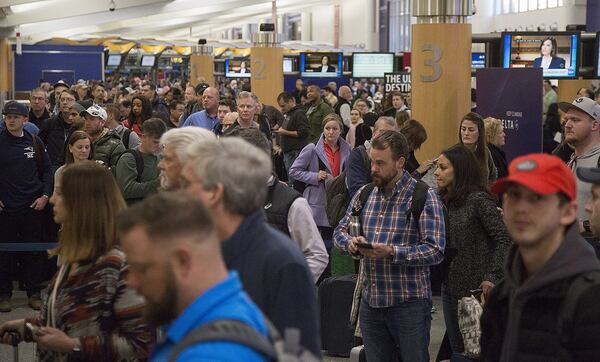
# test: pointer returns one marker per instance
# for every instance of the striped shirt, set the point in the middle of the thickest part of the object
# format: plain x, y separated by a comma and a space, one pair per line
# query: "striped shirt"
94, 305
391, 281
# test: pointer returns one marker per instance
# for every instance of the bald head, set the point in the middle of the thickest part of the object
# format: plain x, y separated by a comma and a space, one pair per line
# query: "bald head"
210, 100
345, 92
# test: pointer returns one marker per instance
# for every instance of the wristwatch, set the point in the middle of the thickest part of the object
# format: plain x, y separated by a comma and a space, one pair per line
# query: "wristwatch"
76, 351
586, 226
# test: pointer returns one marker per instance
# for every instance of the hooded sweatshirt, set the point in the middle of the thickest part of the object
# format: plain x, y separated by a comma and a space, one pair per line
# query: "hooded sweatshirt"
573, 257
584, 189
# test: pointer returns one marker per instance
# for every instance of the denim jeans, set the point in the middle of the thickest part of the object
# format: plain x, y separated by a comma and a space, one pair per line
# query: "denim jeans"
288, 160
450, 306
397, 333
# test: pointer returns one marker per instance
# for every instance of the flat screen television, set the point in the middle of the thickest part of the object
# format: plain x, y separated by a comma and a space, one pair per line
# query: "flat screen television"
288, 65
148, 60
236, 68
372, 65
477, 60
555, 52
321, 64
114, 60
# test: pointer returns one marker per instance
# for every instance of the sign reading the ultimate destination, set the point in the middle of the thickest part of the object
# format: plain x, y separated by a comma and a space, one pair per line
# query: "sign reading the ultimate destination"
399, 82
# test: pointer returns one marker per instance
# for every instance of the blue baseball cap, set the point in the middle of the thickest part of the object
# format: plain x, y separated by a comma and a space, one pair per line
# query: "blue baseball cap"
14, 107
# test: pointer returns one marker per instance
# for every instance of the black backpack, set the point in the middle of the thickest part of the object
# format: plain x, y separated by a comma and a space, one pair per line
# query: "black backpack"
126, 137
139, 162
276, 348
338, 197
301, 186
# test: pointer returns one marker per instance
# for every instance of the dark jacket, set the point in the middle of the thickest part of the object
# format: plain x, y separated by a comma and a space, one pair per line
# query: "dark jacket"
295, 120
273, 115
476, 244
555, 63
358, 172
55, 135
315, 116
519, 321
189, 109
275, 276
20, 179
108, 147
160, 109
499, 158
277, 205
40, 122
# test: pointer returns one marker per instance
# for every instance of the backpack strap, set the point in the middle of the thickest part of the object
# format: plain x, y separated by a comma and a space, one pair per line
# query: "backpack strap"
126, 137
226, 330
365, 192
139, 162
418, 200
568, 308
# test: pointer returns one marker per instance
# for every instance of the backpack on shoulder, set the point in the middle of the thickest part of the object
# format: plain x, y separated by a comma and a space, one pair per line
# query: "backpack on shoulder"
276, 348
139, 162
338, 197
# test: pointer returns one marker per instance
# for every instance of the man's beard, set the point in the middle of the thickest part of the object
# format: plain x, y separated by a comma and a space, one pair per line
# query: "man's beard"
162, 312
380, 181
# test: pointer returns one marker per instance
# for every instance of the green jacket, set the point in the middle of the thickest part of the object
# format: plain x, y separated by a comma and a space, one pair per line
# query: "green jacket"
108, 147
126, 174
315, 116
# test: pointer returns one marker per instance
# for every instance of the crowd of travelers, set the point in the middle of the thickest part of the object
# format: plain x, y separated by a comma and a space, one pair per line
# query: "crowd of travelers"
196, 222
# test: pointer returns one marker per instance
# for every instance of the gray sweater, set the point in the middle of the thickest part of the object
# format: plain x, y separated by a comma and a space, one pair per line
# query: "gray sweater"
477, 236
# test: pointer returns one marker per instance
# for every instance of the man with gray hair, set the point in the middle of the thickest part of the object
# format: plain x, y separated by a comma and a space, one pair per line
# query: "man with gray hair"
342, 107
174, 142
358, 166
229, 176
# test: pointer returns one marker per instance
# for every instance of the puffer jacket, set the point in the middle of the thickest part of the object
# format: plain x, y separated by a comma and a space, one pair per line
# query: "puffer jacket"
108, 147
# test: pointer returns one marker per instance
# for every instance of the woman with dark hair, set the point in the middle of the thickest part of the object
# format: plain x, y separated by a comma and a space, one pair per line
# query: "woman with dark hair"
401, 118
472, 135
548, 59
141, 110
476, 238
79, 148
89, 314
586, 92
415, 135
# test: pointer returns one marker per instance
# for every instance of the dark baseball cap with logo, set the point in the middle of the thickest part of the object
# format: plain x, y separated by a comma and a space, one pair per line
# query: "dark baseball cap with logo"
61, 83
14, 107
542, 173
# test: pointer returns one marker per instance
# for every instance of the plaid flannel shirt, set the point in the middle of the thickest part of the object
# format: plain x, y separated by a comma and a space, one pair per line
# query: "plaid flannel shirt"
391, 281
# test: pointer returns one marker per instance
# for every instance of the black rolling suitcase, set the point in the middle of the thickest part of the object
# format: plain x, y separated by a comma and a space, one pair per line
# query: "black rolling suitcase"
335, 301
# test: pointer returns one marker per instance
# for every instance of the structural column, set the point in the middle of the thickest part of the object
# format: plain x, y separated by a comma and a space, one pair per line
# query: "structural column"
5, 69
441, 71
202, 65
266, 67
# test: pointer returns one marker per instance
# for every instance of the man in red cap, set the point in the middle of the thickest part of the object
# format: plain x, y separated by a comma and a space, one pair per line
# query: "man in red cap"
535, 313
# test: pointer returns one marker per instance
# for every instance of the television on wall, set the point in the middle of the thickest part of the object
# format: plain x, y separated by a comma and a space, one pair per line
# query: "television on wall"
372, 65
114, 60
235, 68
556, 53
477, 60
321, 64
148, 60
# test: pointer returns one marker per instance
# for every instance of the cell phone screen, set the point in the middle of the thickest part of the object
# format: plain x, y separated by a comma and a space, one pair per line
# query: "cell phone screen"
364, 246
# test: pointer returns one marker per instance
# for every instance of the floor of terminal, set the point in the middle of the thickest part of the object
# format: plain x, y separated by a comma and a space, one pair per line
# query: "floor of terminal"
22, 310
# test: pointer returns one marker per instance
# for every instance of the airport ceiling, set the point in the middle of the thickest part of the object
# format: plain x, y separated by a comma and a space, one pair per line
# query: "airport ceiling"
136, 19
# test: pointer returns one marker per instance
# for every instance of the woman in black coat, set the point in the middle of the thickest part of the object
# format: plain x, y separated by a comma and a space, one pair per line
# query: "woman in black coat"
494, 133
476, 238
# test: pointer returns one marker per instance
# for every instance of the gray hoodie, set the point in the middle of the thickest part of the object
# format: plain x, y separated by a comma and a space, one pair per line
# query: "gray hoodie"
584, 189
574, 256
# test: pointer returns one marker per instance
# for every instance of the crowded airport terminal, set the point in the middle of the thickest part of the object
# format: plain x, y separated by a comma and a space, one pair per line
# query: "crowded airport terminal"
300, 180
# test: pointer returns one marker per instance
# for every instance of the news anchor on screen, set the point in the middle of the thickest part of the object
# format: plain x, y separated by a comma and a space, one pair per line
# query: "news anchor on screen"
243, 68
549, 60
325, 67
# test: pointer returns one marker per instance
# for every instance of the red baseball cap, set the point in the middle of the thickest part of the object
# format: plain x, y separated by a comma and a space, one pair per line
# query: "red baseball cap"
542, 173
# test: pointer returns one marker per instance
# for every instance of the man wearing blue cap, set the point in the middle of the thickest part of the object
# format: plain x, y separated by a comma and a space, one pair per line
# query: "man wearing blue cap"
26, 182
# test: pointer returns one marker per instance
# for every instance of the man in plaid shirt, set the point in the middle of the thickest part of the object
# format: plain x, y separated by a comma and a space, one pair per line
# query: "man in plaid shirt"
395, 311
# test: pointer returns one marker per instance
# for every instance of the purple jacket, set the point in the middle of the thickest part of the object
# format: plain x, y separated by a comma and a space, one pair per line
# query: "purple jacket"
306, 169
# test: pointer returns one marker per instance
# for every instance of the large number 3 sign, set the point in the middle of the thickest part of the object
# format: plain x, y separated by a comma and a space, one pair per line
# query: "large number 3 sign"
433, 62
258, 69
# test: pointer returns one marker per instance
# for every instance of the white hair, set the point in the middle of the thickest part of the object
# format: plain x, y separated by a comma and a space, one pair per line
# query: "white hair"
178, 139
